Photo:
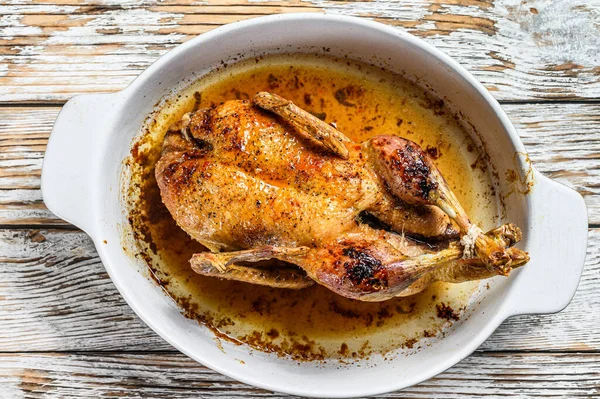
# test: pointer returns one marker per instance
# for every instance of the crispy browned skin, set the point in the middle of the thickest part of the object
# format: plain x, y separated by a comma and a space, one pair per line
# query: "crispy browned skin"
244, 179
251, 186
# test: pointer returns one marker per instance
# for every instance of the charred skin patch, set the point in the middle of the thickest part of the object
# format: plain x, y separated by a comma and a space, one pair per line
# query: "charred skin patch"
364, 270
183, 169
198, 153
204, 145
417, 173
231, 140
408, 169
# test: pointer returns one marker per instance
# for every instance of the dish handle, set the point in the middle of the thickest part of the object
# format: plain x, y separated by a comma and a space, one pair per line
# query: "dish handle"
557, 245
71, 158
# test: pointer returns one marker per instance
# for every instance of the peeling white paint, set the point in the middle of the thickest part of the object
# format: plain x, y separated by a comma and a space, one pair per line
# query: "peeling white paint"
25, 196
24, 51
9, 33
17, 7
494, 375
399, 10
132, 25
560, 31
538, 36
514, 62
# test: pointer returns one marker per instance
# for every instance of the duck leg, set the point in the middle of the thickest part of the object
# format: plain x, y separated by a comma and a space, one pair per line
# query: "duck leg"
411, 176
366, 264
357, 268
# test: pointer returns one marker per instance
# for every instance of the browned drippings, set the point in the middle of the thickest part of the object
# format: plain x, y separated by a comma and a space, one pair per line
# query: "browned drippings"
446, 312
313, 323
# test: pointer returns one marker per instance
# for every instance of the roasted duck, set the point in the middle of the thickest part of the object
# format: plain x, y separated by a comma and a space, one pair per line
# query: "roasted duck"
264, 179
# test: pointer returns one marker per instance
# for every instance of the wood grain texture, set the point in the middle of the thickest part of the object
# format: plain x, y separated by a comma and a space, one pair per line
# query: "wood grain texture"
520, 50
66, 331
56, 296
493, 375
24, 134
562, 140
563, 143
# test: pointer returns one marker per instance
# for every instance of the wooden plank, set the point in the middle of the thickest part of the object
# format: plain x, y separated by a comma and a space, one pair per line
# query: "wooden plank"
562, 140
493, 375
23, 137
536, 50
55, 293
563, 143
56, 296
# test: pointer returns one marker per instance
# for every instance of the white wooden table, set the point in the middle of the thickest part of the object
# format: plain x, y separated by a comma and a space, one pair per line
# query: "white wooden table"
64, 329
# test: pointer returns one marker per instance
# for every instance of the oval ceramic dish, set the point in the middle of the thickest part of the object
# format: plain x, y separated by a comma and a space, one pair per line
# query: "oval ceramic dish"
93, 134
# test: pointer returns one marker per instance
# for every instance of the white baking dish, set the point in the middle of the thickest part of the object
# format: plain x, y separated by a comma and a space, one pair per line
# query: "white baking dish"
93, 134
